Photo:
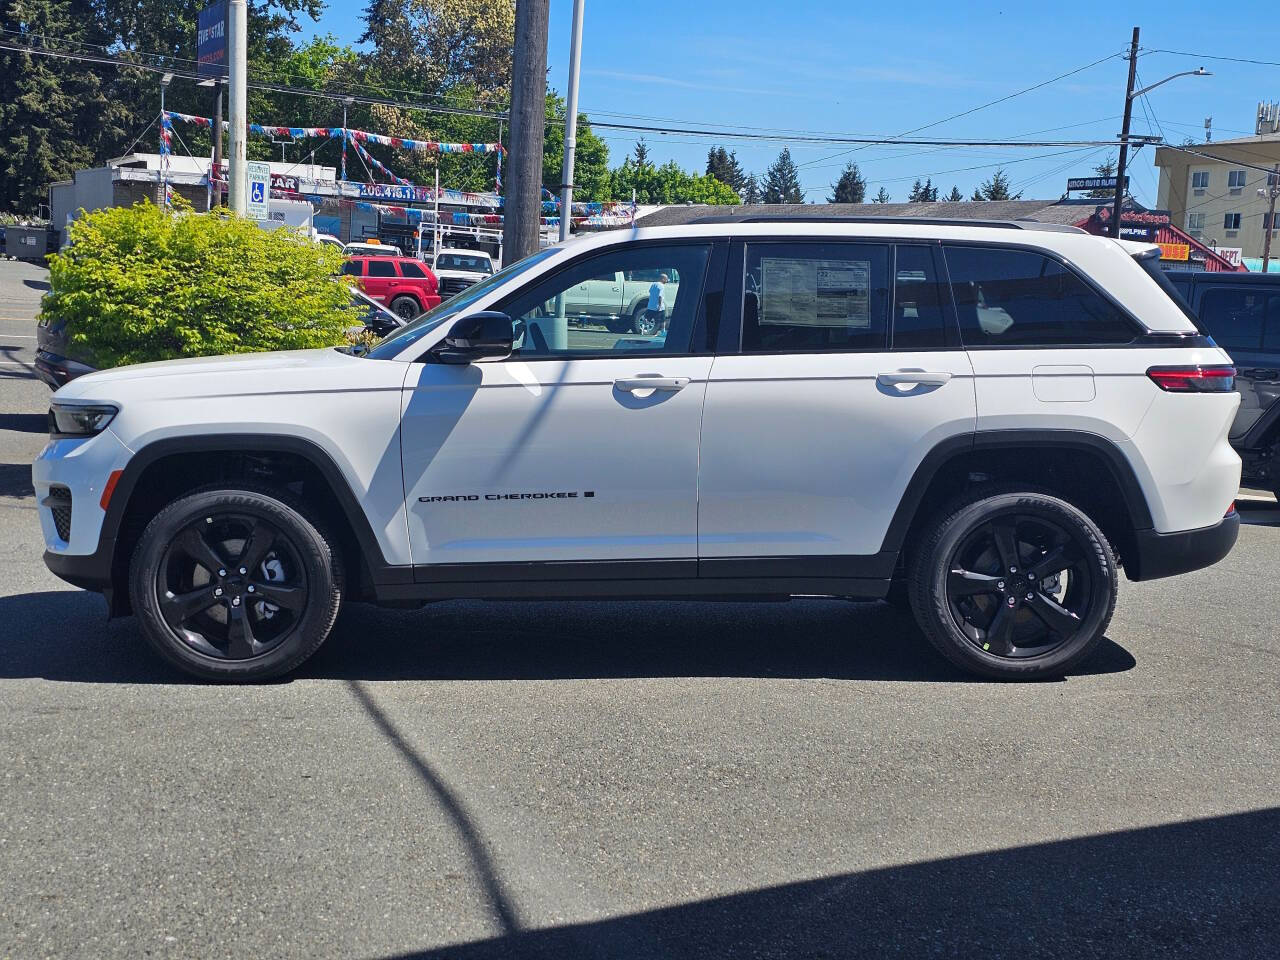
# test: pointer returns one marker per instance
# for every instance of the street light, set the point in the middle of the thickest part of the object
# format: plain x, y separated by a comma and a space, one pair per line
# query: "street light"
1129, 96
346, 102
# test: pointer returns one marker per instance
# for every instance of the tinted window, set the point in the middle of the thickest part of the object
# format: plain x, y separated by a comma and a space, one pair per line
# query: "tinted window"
588, 309
410, 268
459, 261
1022, 298
1234, 318
918, 319
815, 296
381, 268
351, 268
1271, 336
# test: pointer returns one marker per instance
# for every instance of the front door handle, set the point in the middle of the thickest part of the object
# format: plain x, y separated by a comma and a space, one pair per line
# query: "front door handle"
650, 382
932, 378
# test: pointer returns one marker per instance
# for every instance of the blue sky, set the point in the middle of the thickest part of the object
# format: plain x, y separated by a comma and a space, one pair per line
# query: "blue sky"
879, 69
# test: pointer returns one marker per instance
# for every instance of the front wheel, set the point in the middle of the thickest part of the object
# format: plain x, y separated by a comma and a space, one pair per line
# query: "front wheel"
234, 584
1014, 585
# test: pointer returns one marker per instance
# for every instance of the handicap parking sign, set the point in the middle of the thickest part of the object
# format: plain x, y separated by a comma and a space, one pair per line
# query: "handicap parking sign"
259, 179
257, 193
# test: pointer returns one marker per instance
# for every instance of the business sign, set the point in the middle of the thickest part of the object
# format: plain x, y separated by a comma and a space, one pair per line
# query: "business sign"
259, 189
1175, 251
1233, 255
279, 181
1094, 183
211, 40
1141, 232
391, 191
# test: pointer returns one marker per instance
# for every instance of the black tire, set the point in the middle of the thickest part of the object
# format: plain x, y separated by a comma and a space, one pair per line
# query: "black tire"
406, 308
1040, 620
219, 624
614, 325
644, 325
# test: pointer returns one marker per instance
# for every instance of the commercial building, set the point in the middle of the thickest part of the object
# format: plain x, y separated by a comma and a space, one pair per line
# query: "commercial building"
1211, 189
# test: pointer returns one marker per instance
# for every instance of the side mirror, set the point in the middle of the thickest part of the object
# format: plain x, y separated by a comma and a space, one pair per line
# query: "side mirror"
479, 336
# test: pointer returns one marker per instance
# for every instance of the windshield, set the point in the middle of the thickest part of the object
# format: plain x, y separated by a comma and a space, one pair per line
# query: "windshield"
461, 261
390, 347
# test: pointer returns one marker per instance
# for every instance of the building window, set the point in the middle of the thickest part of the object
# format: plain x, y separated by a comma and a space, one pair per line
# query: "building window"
1200, 181
1231, 221
1195, 221
1235, 179
1266, 221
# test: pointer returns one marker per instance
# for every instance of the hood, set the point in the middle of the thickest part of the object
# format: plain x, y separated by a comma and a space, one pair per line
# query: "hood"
463, 274
211, 376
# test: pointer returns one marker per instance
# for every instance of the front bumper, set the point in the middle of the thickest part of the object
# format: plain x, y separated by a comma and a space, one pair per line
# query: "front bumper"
1159, 555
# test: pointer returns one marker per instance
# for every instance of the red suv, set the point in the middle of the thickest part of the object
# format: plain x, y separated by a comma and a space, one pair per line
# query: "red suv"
406, 285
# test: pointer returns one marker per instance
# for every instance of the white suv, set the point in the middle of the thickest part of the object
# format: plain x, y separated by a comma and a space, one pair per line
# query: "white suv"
989, 419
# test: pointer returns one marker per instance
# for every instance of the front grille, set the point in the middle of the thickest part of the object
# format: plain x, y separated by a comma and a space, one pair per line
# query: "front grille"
453, 285
59, 504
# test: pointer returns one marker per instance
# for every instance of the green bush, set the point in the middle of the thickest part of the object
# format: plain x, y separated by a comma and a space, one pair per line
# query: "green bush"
139, 284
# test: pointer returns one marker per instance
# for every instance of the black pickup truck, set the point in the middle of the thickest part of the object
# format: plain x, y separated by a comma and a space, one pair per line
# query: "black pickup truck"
1241, 311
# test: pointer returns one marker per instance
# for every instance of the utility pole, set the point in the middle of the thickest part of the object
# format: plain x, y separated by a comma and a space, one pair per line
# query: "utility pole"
1124, 136
571, 123
238, 81
523, 202
1272, 190
215, 172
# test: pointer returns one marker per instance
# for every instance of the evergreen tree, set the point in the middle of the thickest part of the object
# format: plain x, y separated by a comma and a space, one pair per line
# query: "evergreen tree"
723, 165
851, 187
997, 188
751, 192
881, 197
923, 192
1107, 168
955, 196
782, 181
640, 156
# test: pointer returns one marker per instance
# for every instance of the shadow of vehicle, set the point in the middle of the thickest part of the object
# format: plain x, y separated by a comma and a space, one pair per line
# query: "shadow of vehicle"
25, 422
65, 636
15, 480
1199, 889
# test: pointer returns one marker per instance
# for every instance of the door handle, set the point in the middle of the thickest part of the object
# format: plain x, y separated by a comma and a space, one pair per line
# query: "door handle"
650, 382
932, 378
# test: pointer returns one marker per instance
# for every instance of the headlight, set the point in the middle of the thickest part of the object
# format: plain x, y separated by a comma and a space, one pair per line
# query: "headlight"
80, 420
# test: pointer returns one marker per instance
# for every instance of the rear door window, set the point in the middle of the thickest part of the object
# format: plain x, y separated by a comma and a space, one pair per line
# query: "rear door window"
381, 268
919, 322
1020, 298
1234, 318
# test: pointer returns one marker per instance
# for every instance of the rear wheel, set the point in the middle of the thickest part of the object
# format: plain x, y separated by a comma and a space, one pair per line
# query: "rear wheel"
406, 308
644, 323
234, 584
1014, 585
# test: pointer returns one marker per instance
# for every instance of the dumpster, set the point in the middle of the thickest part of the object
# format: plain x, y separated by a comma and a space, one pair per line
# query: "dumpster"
27, 243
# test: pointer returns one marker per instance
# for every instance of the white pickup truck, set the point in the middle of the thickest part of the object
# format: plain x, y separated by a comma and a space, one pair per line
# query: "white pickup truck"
620, 300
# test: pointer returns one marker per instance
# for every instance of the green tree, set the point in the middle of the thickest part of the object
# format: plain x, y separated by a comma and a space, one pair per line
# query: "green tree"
641, 154
881, 197
751, 192
667, 184
997, 188
723, 165
923, 192
955, 196
851, 187
782, 181
143, 285
590, 156
1107, 168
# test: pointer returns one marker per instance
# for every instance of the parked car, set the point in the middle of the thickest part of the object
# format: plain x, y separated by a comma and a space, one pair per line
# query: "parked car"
58, 361
999, 416
619, 300
327, 240
458, 269
1241, 311
370, 249
406, 285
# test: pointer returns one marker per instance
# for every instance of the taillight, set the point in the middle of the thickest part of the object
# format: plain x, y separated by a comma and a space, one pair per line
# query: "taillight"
1194, 379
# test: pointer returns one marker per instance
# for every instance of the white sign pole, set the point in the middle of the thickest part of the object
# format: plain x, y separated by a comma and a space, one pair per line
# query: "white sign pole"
238, 82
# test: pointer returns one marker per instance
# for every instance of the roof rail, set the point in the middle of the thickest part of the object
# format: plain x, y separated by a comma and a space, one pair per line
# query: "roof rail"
1020, 224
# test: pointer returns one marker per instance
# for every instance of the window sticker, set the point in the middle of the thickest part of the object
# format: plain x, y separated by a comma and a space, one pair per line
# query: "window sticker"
815, 293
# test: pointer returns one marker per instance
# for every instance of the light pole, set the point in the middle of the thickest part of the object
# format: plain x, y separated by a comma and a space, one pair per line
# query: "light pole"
215, 161
238, 81
346, 102
1130, 95
1271, 191
571, 123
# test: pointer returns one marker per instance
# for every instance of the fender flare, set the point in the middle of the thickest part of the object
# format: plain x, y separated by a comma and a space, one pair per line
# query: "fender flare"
951, 448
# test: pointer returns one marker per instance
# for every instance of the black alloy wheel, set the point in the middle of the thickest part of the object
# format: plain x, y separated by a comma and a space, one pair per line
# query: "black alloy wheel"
235, 583
231, 585
406, 308
1019, 586
1013, 583
646, 324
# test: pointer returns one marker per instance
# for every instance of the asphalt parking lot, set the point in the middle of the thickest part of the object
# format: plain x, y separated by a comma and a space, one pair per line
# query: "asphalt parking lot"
634, 779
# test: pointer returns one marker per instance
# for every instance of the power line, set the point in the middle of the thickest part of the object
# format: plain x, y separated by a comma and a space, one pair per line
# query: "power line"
1209, 56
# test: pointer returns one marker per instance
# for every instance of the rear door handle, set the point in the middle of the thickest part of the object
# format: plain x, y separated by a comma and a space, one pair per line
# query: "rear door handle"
933, 378
650, 382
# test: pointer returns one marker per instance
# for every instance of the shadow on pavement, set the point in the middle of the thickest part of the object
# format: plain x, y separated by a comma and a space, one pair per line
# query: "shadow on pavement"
1201, 889
37, 284
65, 636
25, 423
15, 480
